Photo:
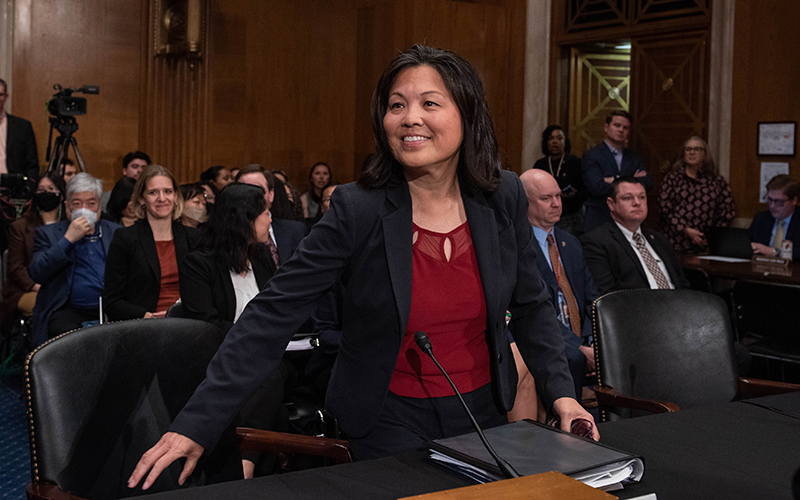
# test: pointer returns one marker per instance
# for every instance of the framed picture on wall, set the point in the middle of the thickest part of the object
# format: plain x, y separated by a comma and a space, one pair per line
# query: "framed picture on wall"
777, 138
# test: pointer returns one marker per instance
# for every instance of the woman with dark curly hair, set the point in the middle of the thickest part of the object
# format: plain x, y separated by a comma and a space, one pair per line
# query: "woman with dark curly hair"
434, 237
694, 197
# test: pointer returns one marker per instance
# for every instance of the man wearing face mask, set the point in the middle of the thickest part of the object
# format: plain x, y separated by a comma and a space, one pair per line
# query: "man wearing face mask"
69, 262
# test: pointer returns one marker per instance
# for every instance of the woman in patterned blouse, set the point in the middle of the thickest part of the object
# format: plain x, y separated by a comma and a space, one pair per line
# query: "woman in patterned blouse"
693, 198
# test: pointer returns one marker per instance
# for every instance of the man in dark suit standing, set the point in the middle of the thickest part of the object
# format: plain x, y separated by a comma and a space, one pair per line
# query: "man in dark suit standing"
18, 154
772, 227
624, 255
559, 258
607, 161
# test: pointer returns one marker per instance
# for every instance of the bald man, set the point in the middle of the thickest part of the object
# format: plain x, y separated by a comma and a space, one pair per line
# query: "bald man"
561, 265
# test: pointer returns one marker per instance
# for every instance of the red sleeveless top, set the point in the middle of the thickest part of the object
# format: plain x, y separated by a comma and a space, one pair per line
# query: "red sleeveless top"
447, 303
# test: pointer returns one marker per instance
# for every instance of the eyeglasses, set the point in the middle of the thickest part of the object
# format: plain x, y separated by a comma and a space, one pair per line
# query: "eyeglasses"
51, 189
694, 150
777, 202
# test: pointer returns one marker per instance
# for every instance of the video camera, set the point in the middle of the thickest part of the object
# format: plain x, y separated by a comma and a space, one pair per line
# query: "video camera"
63, 104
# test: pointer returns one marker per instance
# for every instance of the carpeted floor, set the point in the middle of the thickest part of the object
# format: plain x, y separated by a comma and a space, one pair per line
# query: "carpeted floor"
15, 467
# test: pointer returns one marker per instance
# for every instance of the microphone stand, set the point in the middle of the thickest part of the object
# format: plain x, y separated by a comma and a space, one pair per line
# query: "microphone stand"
424, 343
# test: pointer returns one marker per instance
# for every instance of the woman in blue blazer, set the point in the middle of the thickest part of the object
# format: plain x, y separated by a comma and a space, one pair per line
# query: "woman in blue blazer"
436, 170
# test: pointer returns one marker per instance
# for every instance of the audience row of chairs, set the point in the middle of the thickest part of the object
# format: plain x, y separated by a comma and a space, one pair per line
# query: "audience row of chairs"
100, 396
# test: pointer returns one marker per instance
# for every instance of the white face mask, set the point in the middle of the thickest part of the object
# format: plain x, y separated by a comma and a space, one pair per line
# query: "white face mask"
197, 214
91, 216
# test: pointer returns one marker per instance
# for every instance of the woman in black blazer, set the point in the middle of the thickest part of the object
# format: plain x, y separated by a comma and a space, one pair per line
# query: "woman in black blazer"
230, 245
436, 167
144, 260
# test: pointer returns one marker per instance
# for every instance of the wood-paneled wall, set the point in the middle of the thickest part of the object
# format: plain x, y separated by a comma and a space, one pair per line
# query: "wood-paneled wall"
281, 83
766, 79
78, 42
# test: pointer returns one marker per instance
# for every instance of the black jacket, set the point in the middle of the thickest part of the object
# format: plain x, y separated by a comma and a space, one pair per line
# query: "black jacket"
133, 273
207, 290
365, 240
615, 265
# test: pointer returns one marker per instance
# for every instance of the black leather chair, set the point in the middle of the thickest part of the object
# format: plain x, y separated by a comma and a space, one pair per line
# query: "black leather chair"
661, 350
99, 397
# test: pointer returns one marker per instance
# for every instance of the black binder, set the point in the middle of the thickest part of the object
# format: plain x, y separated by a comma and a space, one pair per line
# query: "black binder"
533, 448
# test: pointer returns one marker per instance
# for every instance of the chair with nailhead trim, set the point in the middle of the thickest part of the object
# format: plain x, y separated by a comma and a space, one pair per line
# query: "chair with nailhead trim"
99, 397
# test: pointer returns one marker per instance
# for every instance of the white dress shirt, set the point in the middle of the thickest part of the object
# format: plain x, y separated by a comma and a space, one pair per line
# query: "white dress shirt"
650, 279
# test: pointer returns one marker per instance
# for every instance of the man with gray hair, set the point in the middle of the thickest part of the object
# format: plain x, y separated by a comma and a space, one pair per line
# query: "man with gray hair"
69, 261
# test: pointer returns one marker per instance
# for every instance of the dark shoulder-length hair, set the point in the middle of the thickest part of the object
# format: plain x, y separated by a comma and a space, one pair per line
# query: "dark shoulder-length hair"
59, 183
229, 233
479, 161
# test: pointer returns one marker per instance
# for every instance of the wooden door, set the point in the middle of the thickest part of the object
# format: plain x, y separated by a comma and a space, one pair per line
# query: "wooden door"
599, 84
669, 100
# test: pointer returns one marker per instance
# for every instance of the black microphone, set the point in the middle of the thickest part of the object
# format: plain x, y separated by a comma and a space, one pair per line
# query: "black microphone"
424, 343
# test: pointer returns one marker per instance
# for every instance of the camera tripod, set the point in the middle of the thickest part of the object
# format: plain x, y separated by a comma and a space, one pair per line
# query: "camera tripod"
66, 126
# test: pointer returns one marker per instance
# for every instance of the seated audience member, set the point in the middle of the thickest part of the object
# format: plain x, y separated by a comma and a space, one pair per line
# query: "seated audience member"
230, 268
285, 235
19, 290
607, 161
319, 177
282, 207
566, 169
194, 212
622, 254
67, 170
694, 197
230, 265
292, 194
772, 227
121, 209
69, 260
561, 266
216, 178
145, 260
132, 165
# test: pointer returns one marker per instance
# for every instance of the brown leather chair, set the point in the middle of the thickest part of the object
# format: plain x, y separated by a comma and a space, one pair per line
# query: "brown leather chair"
661, 350
99, 397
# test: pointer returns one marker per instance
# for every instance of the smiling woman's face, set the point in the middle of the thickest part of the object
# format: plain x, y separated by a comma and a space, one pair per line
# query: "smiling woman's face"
422, 122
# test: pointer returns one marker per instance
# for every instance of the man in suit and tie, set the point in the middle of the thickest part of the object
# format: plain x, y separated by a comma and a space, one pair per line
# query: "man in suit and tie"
622, 254
559, 258
285, 234
772, 227
607, 161
69, 261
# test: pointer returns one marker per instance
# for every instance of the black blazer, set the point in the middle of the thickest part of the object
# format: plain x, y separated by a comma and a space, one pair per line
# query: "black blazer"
288, 234
365, 240
598, 163
22, 157
761, 230
615, 265
133, 273
207, 290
